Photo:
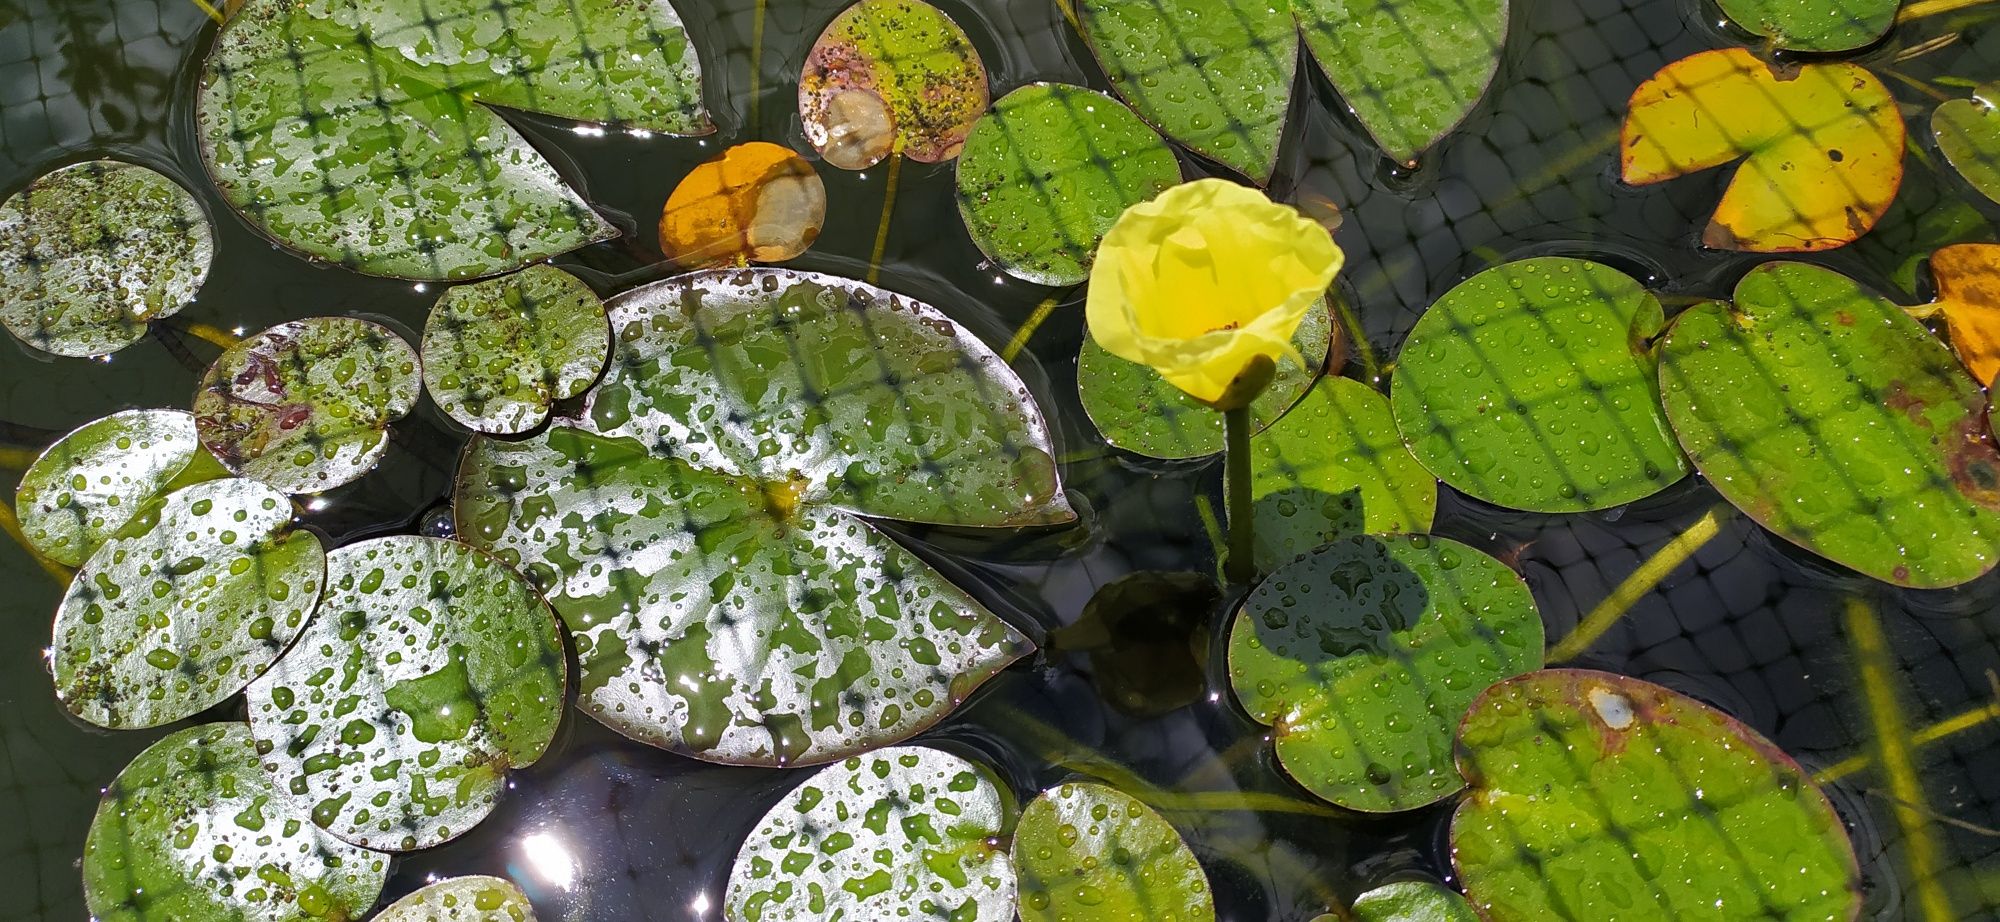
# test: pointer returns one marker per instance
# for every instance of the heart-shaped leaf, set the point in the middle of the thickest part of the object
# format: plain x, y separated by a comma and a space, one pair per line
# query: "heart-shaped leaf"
1363, 655
1532, 385
1821, 145
430, 670
362, 133
498, 353
92, 253
753, 203
1412, 901
1814, 25
1836, 421
1049, 170
194, 831
1409, 70
462, 899
901, 833
1596, 796
1090, 853
194, 597
87, 485
891, 77
1968, 134
306, 406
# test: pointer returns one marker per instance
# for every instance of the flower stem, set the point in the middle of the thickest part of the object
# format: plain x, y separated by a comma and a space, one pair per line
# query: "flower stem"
1239, 566
1639, 584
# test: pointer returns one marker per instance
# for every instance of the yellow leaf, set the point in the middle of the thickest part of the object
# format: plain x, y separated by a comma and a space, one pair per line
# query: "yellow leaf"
756, 202
1968, 287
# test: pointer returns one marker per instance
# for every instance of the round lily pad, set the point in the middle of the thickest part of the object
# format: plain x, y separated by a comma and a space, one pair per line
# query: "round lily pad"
1596, 796
1835, 420
1968, 135
755, 202
194, 831
430, 671
906, 832
1090, 853
1363, 655
499, 353
92, 481
1137, 410
1049, 170
1532, 386
462, 899
1814, 25
194, 597
1412, 901
92, 253
891, 77
306, 406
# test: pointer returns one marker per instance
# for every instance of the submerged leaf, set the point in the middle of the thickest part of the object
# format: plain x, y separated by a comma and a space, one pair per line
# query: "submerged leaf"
1814, 25
1410, 70
498, 353
753, 203
86, 486
1967, 277
1968, 134
462, 899
889, 77
1090, 853
1412, 901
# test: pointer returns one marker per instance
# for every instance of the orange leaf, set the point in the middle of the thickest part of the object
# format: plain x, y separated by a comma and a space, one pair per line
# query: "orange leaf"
757, 202
1968, 287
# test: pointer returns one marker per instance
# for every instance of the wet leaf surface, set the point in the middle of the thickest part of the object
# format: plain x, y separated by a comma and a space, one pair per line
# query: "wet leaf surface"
306, 406
462, 899
1600, 796
195, 596
1531, 386
903, 832
1412, 901
1364, 654
92, 253
1090, 853
888, 77
498, 353
753, 203
1968, 134
1049, 170
87, 485
1410, 70
194, 831
1137, 410
1967, 278
360, 133
429, 672
1839, 423
1821, 145
1814, 25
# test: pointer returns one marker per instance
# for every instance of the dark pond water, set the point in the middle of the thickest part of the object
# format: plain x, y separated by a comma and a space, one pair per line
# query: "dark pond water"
605, 829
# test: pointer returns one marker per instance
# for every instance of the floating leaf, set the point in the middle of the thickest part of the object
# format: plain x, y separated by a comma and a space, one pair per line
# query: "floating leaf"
1968, 134
1532, 386
499, 353
430, 671
92, 253
194, 597
889, 77
361, 133
1363, 655
1821, 143
755, 202
707, 548
306, 406
1412, 901
1089, 853
194, 831
1215, 75
1836, 421
1410, 70
1331, 468
92, 481
1596, 796
462, 899
1967, 277
904, 832
1137, 410
1049, 170
1814, 25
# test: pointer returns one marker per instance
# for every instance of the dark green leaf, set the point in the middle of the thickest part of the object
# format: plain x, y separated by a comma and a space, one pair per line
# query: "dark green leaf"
499, 353
1968, 134
1409, 69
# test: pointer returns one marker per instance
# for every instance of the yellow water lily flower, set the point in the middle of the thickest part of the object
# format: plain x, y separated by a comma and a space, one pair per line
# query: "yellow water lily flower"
1205, 280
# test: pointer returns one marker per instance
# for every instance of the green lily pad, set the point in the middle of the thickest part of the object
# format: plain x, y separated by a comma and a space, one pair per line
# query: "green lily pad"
430, 671
1814, 25
1968, 134
1090, 853
904, 832
92, 481
1412, 901
1331, 468
462, 899
194, 831
1835, 420
497, 354
1597, 796
1410, 70
306, 406
891, 77
1363, 655
92, 253
1532, 386
1215, 75
1137, 410
362, 134
1049, 170
194, 597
